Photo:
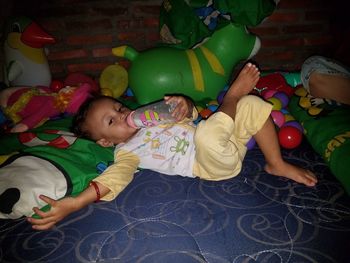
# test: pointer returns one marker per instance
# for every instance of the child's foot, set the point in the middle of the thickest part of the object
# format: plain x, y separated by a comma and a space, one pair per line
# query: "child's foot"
245, 81
292, 172
243, 84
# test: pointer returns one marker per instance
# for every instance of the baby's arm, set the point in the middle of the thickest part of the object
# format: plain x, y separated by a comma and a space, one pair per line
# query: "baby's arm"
63, 207
117, 176
184, 107
110, 183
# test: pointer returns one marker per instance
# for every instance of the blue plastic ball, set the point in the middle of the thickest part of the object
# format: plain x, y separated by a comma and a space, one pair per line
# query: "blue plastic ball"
221, 96
251, 143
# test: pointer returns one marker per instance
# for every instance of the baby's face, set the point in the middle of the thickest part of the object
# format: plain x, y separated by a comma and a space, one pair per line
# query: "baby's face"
107, 120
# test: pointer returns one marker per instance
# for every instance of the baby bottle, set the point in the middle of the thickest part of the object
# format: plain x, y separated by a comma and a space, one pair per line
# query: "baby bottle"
151, 115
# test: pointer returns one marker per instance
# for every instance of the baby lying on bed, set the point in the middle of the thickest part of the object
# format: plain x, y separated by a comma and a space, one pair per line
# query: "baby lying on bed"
216, 147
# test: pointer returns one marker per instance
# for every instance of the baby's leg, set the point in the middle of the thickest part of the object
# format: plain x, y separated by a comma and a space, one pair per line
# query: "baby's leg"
267, 140
333, 87
241, 86
266, 137
326, 78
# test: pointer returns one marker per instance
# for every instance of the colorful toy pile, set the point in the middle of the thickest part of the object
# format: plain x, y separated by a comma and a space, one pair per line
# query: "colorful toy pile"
275, 89
29, 96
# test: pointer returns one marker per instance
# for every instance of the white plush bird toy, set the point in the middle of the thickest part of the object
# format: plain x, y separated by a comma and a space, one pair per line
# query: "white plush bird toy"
25, 59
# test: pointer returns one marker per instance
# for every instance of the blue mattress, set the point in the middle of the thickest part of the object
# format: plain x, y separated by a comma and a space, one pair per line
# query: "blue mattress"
254, 217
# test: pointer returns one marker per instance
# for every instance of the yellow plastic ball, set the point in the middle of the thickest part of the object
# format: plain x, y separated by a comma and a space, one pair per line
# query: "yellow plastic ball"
288, 117
276, 103
106, 92
115, 78
199, 108
213, 102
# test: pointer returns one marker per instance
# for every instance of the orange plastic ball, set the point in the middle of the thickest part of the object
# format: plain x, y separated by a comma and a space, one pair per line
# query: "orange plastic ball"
205, 113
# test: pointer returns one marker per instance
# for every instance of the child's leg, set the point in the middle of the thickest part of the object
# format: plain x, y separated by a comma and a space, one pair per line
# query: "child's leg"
243, 84
326, 78
219, 154
267, 140
333, 87
266, 137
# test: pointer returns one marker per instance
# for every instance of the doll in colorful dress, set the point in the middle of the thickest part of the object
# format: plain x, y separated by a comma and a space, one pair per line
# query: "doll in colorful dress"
29, 107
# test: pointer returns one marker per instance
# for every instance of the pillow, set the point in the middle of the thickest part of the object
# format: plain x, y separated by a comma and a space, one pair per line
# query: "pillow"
48, 160
327, 128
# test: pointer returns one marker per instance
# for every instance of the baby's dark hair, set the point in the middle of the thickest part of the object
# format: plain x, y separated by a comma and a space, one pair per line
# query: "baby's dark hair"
80, 118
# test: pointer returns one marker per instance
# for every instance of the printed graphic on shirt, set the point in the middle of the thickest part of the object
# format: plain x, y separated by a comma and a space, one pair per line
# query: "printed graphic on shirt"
167, 149
181, 145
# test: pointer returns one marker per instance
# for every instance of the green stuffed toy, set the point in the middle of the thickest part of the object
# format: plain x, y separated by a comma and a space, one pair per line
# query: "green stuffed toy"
184, 23
48, 160
200, 72
327, 128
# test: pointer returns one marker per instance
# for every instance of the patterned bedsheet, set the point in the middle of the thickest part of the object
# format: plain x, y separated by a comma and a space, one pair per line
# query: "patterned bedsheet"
254, 217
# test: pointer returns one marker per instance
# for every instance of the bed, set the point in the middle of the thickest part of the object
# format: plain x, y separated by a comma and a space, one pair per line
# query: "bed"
254, 217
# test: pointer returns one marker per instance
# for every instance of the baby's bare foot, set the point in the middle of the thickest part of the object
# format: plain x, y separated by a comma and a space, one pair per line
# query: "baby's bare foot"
292, 172
245, 81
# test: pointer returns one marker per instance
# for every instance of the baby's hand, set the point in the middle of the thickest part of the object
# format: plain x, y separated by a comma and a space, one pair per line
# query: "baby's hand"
59, 210
183, 109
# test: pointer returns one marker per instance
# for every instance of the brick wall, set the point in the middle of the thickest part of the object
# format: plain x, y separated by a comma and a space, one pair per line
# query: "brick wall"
86, 30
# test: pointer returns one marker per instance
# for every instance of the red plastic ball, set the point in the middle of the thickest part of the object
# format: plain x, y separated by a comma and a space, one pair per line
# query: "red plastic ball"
205, 113
294, 124
289, 137
56, 85
268, 93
